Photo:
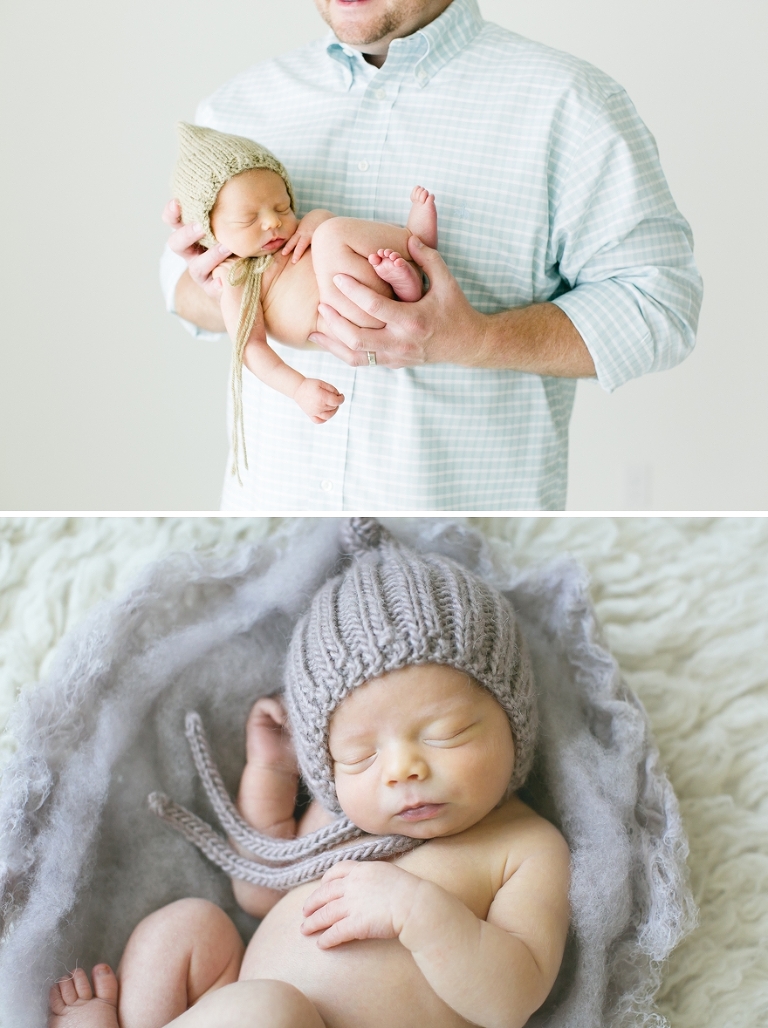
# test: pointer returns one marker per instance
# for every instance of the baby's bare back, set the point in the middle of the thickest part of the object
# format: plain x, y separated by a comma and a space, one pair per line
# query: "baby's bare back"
376, 983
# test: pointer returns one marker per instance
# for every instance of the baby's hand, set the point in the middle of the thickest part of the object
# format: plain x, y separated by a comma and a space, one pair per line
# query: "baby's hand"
221, 271
268, 738
360, 900
318, 399
302, 237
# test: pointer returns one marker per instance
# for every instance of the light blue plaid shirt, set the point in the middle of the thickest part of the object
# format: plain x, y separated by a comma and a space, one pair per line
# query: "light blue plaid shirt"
548, 187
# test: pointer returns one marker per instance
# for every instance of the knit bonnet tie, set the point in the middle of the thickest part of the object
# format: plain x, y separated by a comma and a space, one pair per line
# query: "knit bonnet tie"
388, 609
207, 160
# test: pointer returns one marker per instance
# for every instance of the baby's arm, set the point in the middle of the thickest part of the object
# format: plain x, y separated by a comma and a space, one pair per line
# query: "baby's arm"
317, 399
302, 237
494, 972
267, 794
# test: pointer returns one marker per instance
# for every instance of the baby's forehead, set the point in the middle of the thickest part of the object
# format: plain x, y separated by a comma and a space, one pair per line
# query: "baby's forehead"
256, 184
422, 694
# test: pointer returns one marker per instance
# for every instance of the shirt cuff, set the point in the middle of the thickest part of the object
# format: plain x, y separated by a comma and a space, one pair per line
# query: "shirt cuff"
627, 333
172, 267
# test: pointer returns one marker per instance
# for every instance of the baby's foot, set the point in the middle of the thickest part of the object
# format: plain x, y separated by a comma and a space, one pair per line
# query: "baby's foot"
402, 276
74, 1004
422, 221
267, 793
318, 399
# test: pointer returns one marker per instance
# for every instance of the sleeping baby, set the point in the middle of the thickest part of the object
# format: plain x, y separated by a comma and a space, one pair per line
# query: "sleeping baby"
282, 268
408, 709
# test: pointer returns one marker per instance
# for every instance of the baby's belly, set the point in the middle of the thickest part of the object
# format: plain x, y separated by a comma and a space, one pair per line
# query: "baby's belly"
290, 303
367, 984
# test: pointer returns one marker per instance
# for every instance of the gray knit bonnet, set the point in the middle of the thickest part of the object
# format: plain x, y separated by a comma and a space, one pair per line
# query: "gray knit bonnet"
391, 608
388, 609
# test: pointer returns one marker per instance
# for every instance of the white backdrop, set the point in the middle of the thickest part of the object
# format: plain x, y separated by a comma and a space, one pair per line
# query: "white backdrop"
106, 403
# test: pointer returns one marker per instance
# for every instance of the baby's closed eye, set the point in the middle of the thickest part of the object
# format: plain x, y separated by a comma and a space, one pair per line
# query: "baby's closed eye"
353, 762
449, 735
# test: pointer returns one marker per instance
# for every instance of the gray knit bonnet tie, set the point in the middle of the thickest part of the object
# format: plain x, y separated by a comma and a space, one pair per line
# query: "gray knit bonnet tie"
388, 609
207, 160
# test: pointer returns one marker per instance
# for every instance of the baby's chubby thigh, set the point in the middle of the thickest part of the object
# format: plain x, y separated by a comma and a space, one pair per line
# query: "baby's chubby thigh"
261, 1003
174, 957
341, 246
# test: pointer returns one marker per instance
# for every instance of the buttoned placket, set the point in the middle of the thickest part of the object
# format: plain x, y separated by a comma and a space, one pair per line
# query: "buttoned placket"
363, 167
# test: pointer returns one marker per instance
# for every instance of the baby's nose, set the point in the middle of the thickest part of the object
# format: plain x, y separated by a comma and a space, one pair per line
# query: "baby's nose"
271, 220
405, 764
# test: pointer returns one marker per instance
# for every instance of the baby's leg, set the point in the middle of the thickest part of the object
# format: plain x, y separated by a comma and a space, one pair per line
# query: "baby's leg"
174, 957
422, 221
343, 246
391, 266
260, 1003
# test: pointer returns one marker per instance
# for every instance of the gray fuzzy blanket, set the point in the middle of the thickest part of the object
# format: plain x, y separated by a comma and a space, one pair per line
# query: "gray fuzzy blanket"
83, 860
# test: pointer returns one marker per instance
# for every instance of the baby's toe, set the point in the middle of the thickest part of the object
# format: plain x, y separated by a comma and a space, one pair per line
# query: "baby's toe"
67, 989
81, 984
55, 1000
104, 983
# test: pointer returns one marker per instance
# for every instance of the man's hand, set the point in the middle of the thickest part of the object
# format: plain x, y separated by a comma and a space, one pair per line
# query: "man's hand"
184, 241
443, 327
360, 900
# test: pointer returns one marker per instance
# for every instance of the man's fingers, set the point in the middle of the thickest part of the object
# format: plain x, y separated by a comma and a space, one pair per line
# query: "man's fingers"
353, 336
201, 266
427, 258
172, 213
354, 358
372, 303
184, 239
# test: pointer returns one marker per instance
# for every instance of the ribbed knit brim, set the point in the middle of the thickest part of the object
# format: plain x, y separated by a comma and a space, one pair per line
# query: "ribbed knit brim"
389, 609
208, 159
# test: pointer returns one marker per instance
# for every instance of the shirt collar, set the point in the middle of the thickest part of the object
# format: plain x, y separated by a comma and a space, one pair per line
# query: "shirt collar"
425, 51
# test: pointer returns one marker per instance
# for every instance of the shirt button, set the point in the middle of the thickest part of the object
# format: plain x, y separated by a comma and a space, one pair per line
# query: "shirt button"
380, 94
326, 485
421, 74
363, 165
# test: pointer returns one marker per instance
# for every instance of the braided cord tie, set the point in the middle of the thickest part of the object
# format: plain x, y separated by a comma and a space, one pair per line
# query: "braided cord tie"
265, 847
247, 272
304, 859
198, 832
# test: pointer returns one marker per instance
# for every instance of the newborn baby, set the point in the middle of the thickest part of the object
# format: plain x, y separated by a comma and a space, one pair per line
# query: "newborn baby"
410, 711
242, 196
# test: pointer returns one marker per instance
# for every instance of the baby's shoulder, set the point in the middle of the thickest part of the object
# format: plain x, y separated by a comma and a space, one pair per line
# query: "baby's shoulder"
516, 829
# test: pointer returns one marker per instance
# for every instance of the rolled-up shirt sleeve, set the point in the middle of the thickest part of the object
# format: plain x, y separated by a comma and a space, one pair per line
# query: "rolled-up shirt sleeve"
624, 250
172, 267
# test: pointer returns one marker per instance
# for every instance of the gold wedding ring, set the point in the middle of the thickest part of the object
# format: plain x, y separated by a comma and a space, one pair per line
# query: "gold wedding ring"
371, 358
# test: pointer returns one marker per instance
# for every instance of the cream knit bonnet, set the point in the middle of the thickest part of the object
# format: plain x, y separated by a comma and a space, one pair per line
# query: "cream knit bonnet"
207, 159
388, 609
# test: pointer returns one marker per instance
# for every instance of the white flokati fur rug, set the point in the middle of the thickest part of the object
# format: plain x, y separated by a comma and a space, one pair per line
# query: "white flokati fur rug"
684, 606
